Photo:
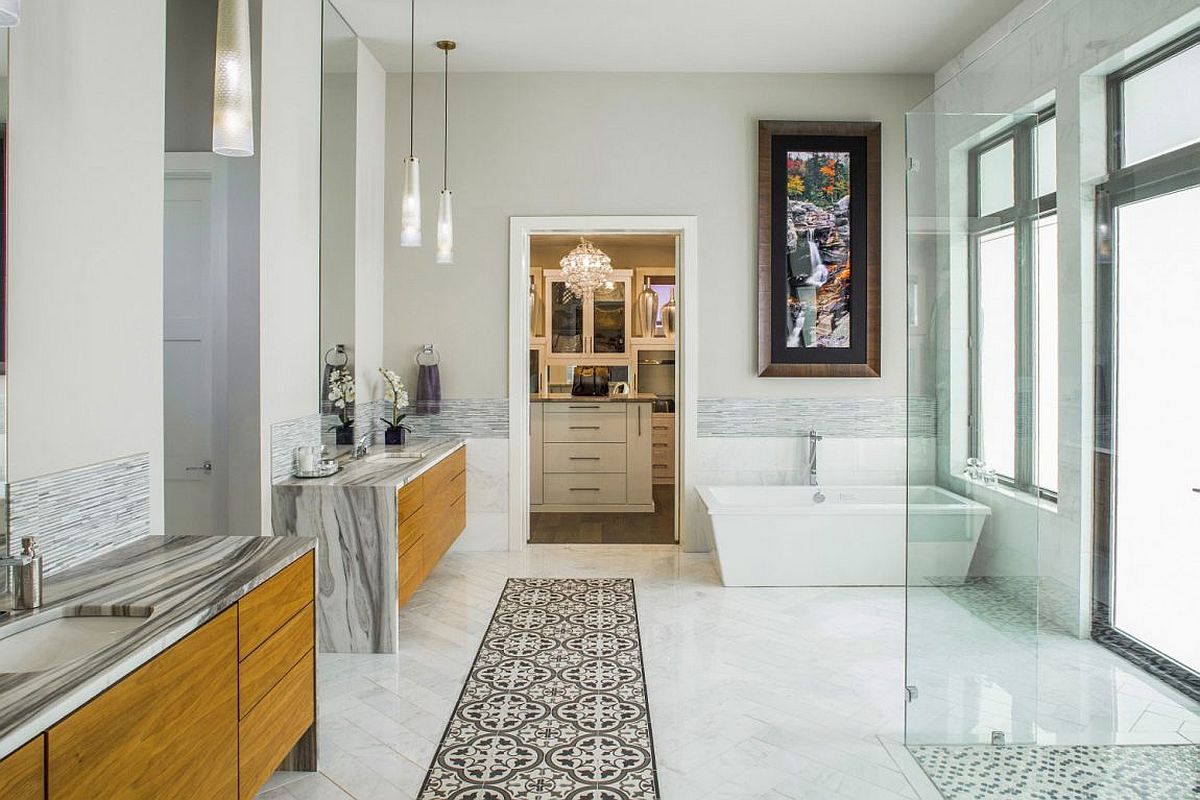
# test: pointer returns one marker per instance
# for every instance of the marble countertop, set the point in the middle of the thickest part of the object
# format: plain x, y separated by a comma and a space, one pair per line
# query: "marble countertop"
641, 397
187, 580
377, 470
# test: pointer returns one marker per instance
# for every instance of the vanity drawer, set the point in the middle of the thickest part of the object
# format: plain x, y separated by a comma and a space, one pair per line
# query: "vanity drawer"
585, 489
266, 609
584, 457
410, 531
271, 729
409, 498
584, 426
411, 570
584, 405
446, 494
444, 472
264, 668
21, 774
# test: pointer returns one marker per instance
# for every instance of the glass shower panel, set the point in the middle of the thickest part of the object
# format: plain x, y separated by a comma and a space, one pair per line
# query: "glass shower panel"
971, 636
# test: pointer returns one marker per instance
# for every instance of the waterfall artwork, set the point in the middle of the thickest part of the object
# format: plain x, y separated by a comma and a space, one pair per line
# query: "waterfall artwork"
818, 249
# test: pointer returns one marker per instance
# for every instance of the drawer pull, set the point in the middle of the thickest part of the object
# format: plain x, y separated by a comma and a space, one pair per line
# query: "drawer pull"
585, 427
660, 444
593, 408
662, 427
585, 458
585, 488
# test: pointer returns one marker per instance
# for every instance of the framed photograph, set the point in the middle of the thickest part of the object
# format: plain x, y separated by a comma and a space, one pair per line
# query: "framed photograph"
818, 249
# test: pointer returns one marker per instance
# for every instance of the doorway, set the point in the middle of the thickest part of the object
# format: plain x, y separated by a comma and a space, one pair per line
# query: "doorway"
587, 374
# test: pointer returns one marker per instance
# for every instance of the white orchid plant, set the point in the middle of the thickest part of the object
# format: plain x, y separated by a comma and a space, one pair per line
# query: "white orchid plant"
395, 392
341, 393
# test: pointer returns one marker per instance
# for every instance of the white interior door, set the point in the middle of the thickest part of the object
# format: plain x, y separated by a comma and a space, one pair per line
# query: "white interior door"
1157, 547
191, 468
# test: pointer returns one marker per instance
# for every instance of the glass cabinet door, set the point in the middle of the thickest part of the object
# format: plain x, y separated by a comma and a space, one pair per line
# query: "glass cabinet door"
565, 312
610, 320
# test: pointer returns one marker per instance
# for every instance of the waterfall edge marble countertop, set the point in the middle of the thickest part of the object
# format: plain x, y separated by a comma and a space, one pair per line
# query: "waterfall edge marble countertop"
384, 466
187, 580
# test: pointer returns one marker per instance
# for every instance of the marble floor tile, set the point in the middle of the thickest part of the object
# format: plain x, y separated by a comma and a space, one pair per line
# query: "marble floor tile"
754, 693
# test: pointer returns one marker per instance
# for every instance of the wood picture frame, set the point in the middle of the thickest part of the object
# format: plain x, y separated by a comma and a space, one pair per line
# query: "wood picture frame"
823, 323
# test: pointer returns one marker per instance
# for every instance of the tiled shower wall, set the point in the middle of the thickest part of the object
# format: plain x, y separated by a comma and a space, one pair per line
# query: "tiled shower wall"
80, 513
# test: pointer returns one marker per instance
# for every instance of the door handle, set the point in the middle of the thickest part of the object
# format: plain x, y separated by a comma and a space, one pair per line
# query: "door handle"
205, 467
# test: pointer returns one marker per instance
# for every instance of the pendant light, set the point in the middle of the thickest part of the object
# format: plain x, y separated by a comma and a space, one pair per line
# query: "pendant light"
586, 269
410, 202
10, 13
233, 82
445, 224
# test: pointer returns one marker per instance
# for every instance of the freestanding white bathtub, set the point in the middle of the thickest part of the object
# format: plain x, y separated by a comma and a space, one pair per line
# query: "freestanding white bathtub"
777, 535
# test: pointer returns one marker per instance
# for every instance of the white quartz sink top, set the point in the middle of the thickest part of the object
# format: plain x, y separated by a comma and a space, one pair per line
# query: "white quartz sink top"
62, 639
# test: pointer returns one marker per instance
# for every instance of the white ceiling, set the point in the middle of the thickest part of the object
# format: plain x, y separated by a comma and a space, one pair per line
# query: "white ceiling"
902, 36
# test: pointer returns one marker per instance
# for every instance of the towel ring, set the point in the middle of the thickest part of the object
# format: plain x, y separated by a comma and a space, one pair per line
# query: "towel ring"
428, 350
337, 350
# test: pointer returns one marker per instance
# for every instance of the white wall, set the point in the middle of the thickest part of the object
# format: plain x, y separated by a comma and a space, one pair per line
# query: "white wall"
583, 143
85, 190
289, 227
370, 164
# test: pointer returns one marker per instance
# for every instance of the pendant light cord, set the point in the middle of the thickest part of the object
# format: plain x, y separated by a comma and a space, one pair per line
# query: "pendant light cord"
446, 121
412, 72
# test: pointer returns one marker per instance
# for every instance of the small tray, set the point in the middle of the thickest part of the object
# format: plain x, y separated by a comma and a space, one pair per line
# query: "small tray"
325, 470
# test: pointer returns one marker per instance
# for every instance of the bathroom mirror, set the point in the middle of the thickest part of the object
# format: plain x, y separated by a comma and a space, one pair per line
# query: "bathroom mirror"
336, 365
3, 286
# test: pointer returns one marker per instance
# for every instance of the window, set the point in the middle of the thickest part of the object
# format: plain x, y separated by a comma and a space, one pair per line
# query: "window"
1147, 490
1014, 305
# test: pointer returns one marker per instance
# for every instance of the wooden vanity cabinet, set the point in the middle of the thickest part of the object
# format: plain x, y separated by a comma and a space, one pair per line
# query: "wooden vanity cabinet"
431, 512
210, 718
22, 774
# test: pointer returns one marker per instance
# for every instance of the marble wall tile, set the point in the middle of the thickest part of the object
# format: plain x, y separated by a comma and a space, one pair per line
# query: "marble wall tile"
81, 513
487, 475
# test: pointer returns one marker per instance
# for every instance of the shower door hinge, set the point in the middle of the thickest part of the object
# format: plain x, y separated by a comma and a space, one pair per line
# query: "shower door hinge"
998, 738
910, 692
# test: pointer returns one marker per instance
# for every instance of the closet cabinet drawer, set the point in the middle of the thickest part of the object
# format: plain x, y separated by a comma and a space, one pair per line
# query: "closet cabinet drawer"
584, 426
583, 405
266, 609
584, 457
585, 489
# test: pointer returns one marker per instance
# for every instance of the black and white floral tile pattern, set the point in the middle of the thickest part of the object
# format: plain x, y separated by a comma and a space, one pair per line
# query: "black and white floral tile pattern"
555, 705
1091, 772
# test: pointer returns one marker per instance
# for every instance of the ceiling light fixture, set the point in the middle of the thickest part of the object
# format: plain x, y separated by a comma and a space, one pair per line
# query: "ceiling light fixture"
410, 202
585, 269
233, 82
445, 225
10, 13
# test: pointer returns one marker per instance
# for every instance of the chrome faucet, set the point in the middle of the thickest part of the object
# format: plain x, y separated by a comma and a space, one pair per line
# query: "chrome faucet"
25, 575
813, 438
363, 445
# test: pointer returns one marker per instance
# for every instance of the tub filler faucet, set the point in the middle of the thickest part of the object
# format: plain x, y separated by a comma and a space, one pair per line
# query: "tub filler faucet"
813, 439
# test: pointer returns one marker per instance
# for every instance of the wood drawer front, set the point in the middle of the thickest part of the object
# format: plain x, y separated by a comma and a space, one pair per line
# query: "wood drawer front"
584, 457
274, 726
444, 472
409, 498
410, 530
451, 522
583, 405
266, 609
169, 729
584, 426
450, 491
22, 776
662, 435
412, 570
662, 453
585, 490
267, 665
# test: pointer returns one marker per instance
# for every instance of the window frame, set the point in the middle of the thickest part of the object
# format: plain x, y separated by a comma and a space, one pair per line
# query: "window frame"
1160, 175
1022, 216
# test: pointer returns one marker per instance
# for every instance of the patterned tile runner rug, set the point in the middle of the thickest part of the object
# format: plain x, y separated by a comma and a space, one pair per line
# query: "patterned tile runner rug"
555, 705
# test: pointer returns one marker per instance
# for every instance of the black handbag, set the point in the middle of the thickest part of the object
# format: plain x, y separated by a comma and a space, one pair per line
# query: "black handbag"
590, 382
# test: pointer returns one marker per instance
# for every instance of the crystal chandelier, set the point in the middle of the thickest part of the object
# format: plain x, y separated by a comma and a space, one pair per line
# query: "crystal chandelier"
585, 269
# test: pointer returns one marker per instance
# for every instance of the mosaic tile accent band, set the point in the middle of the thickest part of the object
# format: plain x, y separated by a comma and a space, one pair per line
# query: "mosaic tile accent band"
555, 705
286, 437
859, 417
80, 513
477, 418
1146, 772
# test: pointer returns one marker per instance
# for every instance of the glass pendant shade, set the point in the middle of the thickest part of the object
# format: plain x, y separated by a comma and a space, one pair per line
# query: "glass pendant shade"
445, 228
585, 269
10, 13
410, 204
233, 84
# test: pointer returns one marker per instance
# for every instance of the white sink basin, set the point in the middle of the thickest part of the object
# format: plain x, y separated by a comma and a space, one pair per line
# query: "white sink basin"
410, 455
54, 641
